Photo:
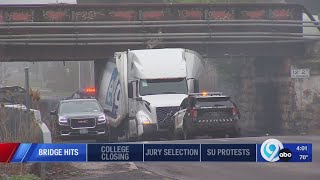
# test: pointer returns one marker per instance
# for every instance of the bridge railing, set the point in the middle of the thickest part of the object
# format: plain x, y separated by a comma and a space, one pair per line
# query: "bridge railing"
199, 32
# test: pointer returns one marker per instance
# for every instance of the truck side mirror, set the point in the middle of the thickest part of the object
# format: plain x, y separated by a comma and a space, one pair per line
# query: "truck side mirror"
196, 85
130, 90
138, 99
193, 85
53, 113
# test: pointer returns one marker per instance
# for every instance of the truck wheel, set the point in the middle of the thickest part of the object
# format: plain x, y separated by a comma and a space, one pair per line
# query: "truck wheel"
186, 132
127, 132
178, 135
113, 136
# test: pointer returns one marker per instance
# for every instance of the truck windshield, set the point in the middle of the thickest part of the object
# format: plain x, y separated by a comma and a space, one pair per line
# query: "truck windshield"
79, 107
163, 86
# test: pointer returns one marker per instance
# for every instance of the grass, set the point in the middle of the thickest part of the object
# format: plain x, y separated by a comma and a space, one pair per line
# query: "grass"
24, 177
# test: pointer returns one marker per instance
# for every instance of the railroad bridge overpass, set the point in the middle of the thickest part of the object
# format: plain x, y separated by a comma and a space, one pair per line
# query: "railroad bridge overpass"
67, 32
265, 32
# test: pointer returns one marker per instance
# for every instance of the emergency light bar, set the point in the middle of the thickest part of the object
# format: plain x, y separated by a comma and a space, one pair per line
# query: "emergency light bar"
90, 90
206, 94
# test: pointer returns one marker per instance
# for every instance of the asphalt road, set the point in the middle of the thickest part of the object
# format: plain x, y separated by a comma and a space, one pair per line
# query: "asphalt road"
233, 170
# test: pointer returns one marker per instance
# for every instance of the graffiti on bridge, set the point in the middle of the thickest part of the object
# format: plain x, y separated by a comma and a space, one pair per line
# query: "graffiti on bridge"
254, 14
58, 15
79, 14
19, 16
89, 15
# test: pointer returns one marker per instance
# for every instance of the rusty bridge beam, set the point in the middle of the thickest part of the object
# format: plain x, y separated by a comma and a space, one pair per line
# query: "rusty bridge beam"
203, 43
156, 35
79, 52
156, 22
115, 39
155, 26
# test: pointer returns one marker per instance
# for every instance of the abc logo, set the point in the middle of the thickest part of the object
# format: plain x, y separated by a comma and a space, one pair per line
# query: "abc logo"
285, 154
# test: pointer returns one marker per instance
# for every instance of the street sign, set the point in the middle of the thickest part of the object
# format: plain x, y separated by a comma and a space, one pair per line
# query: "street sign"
300, 73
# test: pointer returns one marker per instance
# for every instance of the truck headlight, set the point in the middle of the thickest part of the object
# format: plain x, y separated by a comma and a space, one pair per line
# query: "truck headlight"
144, 119
63, 121
101, 119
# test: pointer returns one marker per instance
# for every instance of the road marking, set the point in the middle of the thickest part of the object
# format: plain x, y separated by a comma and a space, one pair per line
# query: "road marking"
132, 166
224, 140
147, 172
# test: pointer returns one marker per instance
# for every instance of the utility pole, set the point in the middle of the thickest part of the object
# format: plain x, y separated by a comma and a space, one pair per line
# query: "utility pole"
91, 74
79, 71
28, 103
3, 74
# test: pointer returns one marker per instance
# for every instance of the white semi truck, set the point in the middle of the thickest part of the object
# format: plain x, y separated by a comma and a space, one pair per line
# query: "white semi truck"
140, 90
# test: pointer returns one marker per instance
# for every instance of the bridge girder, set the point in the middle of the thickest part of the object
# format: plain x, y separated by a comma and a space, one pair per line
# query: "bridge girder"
93, 32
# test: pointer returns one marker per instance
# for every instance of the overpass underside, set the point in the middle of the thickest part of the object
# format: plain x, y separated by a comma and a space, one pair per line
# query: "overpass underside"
93, 32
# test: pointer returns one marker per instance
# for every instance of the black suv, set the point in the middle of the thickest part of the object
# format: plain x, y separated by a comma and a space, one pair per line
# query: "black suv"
206, 114
79, 117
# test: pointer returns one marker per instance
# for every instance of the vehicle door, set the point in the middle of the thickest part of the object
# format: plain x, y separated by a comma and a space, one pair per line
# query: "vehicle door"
181, 113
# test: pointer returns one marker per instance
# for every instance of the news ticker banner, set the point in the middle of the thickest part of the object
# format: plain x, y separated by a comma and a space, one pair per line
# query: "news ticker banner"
270, 151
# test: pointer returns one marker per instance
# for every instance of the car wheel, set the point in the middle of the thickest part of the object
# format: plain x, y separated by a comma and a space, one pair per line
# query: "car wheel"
64, 138
104, 137
236, 132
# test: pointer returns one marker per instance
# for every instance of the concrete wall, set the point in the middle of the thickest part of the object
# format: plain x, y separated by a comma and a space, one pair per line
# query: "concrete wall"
307, 96
270, 101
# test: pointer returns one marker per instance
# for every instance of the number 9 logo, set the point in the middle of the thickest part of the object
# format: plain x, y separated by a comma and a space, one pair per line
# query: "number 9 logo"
270, 150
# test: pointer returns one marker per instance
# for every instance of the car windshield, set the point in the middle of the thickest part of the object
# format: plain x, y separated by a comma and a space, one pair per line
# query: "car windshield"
214, 102
79, 107
163, 86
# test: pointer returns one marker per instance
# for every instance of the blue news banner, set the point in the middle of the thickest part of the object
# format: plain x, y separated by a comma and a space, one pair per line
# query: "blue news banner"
160, 152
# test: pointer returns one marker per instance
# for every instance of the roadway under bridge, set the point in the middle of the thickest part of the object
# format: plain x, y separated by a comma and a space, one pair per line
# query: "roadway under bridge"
63, 32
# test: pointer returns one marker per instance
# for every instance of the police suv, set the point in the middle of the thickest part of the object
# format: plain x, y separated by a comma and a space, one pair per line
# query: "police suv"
206, 114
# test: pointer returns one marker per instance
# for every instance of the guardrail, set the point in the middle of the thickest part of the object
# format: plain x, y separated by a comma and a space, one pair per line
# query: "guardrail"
269, 32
